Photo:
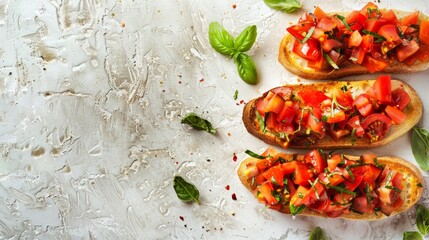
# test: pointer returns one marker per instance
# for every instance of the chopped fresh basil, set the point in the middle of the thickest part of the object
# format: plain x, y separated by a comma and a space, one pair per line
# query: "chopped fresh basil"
343, 19
185, 191
236, 95
341, 189
317, 234
422, 219
394, 188
300, 195
353, 136
420, 147
310, 32
261, 122
373, 10
344, 88
378, 37
378, 165
350, 173
198, 123
285, 182
419, 185
324, 118
273, 180
368, 194
296, 210
332, 63
353, 59
255, 155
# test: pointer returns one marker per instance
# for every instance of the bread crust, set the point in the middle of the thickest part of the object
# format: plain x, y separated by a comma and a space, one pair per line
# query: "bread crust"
413, 112
298, 66
411, 193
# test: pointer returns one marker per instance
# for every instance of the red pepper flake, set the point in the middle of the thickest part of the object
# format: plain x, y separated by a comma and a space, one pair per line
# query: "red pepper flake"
241, 101
237, 104
234, 197
234, 6
227, 187
177, 163
202, 80
180, 82
182, 218
234, 157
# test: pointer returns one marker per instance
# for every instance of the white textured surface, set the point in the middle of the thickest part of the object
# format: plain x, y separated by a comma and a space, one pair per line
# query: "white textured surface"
92, 93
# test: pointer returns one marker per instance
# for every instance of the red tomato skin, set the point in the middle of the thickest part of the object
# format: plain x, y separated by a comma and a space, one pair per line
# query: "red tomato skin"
383, 89
390, 32
403, 52
395, 114
315, 158
400, 98
312, 97
424, 32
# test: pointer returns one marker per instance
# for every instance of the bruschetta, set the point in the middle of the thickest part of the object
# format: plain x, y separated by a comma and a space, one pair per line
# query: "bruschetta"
359, 114
330, 46
363, 187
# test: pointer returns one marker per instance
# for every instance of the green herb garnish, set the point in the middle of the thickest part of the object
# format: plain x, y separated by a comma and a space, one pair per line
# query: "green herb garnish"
261, 122
341, 190
378, 37
254, 155
296, 210
412, 236
332, 63
235, 94
185, 191
198, 123
317, 234
288, 6
225, 44
343, 19
422, 219
420, 147
310, 32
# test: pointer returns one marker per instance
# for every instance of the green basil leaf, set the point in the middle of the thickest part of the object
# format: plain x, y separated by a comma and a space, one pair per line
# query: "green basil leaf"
198, 123
296, 210
246, 39
246, 68
288, 6
186, 191
332, 63
343, 19
420, 147
235, 94
317, 234
255, 155
422, 219
412, 236
220, 39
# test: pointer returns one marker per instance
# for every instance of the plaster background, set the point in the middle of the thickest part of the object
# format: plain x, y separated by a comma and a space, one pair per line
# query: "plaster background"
91, 97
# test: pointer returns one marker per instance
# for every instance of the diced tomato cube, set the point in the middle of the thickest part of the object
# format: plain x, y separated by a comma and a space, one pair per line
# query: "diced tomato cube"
395, 114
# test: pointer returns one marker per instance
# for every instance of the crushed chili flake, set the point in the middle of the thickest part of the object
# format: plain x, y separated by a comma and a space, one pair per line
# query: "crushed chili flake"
234, 157
234, 197
234, 6
182, 218
202, 80
241, 101
180, 82
227, 187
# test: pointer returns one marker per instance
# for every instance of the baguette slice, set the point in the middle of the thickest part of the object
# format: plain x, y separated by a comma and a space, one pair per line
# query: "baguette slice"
298, 66
413, 112
414, 185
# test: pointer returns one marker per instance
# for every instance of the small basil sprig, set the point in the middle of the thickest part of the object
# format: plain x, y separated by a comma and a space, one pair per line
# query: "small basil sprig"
186, 191
288, 6
412, 236
225, 44
420, 147
198, 123
317, 234
422, 219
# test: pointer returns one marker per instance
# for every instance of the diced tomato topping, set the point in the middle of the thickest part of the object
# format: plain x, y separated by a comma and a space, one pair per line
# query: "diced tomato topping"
365, 8
275, 104
352, 184
413, 18
395, 114
315, 158
333, 161
289, 167
424, 32
360, 204
354, 123
363, 104
389, 32
355, 39
266, 190
382, 89
275, 175
373, 65
310, 50
312, 97
299, 30
301, 196
356, 20
329, 44
400, 98
389, 16
376, 126
404, 51
302, 174
326, 24
373, 25
319, 13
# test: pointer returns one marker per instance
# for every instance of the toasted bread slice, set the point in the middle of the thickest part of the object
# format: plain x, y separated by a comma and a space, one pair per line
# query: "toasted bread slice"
298, 66
413, 185
413, 112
